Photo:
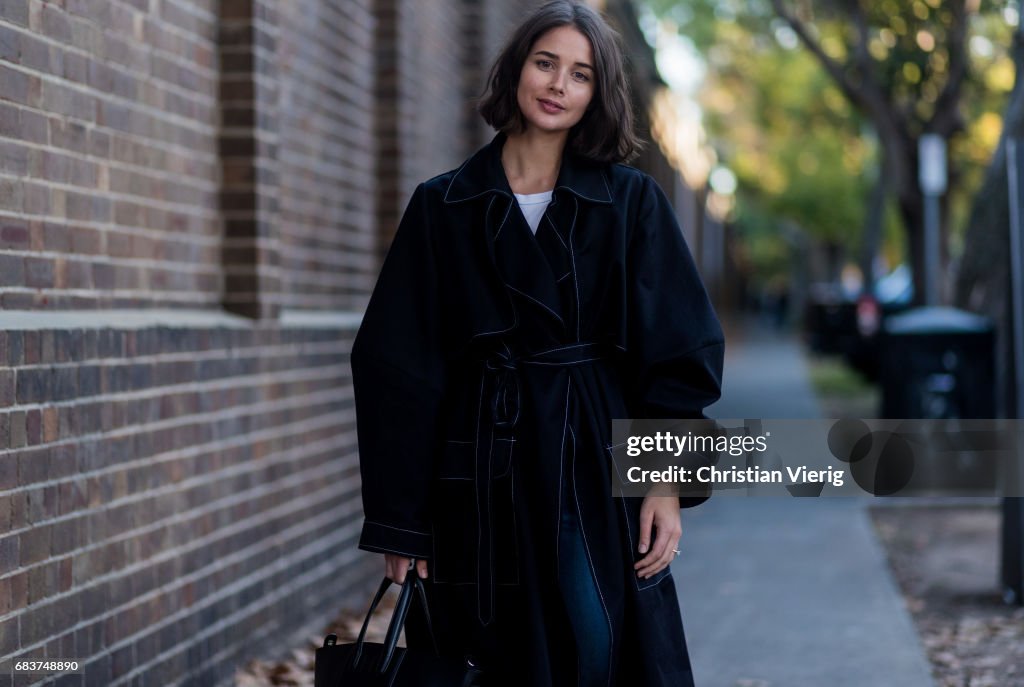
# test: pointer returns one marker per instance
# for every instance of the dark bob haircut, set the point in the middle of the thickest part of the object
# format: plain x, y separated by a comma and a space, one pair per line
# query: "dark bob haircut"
605, 132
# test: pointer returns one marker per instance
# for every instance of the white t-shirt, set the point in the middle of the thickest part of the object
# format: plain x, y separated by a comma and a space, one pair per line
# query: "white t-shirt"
533, 206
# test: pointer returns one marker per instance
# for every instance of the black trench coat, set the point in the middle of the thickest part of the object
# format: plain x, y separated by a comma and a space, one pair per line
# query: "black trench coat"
487, 371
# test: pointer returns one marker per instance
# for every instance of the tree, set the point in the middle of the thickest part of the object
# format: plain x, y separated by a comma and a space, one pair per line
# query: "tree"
902, 66
813, 188
983, 280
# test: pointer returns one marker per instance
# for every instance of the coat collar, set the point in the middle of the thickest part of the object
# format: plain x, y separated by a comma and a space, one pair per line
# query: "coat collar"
482, 173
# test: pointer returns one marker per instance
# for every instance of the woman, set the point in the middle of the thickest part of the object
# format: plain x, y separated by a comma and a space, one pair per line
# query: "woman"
530, 296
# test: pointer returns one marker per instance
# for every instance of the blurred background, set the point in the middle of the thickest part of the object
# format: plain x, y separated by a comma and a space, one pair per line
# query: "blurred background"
856, 155
195, 199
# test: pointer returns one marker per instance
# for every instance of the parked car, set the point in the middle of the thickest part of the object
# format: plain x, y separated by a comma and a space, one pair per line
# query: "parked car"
838, 322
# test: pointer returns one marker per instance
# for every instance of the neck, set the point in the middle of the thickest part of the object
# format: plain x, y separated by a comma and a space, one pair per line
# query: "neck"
532, 160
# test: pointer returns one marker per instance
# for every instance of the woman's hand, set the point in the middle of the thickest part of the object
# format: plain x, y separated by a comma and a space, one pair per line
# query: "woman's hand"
662, 513
396, 566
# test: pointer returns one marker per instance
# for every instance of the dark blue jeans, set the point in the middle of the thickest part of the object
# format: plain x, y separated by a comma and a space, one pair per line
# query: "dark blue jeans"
583, 601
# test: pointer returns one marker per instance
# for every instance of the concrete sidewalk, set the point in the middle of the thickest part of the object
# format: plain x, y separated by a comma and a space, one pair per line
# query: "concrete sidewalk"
765, 375
788, 592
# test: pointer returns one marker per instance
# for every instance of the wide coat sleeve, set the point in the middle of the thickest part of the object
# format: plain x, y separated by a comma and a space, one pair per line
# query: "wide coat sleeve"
398, 374
675, 344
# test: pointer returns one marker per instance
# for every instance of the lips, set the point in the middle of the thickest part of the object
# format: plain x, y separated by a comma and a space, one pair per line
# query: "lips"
550, 105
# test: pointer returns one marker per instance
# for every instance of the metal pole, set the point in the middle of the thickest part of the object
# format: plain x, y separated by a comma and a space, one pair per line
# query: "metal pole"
1013, 514
933, 179
931, 249
1013, 151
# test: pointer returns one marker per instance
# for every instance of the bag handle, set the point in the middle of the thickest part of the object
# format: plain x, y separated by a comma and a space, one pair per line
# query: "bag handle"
412, 583
385, 583
426, 613
396, 624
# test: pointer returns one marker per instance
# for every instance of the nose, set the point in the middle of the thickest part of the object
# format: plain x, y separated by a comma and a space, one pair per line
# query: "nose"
558, 82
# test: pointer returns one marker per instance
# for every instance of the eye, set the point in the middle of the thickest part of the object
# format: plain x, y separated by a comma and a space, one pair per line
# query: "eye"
581, 77
543, 64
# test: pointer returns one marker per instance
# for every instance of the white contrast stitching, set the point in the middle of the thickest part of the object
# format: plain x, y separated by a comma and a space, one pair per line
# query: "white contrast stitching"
400, 529
459, 171
454, 177
381, 549
572, 256
590, 562
596, 200
511, 446
615, 463
555, 232
490, 529
503, 220
561, 469
567, 347
476, 492
526, 295
574, 362
511, 303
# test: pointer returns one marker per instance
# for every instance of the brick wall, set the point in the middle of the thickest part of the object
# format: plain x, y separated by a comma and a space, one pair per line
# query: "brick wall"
173, 491
109, 190
328, 153
248, 145
194, 198
423, 111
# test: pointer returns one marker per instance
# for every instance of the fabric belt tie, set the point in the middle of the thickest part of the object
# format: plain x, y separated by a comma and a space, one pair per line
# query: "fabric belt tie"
499, 411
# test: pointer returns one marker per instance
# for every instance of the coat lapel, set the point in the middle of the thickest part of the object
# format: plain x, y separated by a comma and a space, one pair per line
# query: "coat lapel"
521, 262
512, 248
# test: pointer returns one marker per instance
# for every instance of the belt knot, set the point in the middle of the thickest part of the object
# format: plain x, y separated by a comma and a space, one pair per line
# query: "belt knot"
504, 365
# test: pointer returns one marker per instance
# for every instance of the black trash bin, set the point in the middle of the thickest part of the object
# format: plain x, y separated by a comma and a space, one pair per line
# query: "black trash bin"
937, 363
830, 321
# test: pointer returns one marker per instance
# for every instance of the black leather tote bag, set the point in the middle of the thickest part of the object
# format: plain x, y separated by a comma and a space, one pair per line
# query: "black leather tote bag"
369, 664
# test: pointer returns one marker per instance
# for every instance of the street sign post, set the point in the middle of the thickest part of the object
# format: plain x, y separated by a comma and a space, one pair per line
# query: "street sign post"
932, 176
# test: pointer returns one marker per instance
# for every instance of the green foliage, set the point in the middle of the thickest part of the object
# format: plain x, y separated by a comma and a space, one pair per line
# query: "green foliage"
801, 151
786, 131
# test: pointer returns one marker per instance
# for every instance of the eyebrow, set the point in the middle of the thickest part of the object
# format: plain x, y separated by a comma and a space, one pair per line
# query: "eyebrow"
555, 57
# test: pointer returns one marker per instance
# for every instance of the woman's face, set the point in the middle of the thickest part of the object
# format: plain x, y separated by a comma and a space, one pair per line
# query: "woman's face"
557, 80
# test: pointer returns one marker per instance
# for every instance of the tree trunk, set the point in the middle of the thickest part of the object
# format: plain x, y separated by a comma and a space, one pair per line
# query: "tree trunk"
900, 155
983, 279
911, 204
874, 225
